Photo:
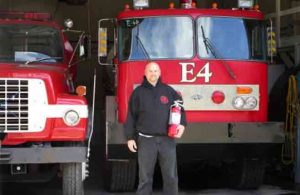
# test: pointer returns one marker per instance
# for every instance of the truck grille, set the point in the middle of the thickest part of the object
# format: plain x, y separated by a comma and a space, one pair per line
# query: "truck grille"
13, 105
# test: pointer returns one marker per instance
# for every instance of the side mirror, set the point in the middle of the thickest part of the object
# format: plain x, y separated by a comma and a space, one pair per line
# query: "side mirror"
102, 42
271, 42
106, 41
84, 51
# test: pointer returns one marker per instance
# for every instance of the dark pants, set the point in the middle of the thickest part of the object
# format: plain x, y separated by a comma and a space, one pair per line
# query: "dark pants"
149, 149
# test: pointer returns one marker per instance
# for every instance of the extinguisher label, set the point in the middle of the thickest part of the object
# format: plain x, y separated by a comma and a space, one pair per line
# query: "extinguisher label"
175, 118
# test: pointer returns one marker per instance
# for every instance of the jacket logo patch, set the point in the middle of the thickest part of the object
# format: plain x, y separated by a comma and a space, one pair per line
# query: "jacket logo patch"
164, 99
179, 93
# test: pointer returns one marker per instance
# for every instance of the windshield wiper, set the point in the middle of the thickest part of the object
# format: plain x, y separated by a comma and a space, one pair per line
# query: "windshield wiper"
205, 42
142, 46
209, 46
42, 59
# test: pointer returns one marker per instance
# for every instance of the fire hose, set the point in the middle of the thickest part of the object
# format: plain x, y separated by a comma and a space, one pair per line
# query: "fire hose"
292, 107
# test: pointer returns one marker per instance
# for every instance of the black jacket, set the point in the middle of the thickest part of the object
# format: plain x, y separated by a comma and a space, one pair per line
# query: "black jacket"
149, 109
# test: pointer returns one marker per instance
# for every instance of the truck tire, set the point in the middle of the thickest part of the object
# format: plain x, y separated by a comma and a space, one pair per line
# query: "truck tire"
247, 174
121, 175
72, 179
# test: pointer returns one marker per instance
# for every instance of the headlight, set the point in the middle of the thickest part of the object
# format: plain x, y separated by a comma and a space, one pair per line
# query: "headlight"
71, 118
238, 103
251, 103
244, 103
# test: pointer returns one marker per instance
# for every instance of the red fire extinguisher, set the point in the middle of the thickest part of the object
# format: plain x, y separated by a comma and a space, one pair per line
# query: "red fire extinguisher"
174, 119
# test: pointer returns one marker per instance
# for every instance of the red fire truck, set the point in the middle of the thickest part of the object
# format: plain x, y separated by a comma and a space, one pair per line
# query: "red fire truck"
217, 60
43, 122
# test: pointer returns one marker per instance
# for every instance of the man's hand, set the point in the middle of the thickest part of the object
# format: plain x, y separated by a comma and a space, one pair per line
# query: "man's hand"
132, 145
180, 131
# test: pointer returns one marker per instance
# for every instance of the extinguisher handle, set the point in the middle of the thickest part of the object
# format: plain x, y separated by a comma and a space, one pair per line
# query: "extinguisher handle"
178, 103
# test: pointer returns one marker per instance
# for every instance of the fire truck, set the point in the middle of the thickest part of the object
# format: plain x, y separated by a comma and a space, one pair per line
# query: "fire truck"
43, 118
217, 59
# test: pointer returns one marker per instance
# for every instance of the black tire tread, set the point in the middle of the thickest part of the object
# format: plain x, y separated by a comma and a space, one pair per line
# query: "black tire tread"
251, 175
122, 175
72, 179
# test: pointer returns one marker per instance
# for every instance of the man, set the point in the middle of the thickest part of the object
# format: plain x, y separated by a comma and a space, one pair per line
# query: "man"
147, 122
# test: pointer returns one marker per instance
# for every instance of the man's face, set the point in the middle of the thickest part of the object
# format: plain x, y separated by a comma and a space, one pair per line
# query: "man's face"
152, 73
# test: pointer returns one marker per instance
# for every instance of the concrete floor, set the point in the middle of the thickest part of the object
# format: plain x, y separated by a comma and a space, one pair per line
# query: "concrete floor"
51, 190
191, 183
274, 185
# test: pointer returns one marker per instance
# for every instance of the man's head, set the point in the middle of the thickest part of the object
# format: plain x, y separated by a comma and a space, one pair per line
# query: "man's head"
152, 72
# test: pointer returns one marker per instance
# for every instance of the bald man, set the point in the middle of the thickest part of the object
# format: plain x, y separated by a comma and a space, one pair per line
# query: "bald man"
146, 131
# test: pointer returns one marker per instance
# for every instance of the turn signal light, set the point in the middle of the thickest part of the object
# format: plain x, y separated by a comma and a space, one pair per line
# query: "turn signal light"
81, 90
244, 90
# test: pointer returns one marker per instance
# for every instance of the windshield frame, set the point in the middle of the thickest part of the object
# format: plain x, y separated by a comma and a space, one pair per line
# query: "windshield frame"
54, 27
229, 59
194, 52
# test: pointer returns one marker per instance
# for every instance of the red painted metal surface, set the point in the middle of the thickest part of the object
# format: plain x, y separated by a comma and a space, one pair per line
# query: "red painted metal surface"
55, 130
254, 73
192, 12
247, 72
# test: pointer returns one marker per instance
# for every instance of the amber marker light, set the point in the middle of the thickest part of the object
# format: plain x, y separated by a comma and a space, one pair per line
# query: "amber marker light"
127, 7
214, 6
244, 90
256, 7
81, 90
171, 5
194, 4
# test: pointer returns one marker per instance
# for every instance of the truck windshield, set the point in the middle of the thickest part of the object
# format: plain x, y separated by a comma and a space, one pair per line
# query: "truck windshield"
231, 38
22, 43
156, 38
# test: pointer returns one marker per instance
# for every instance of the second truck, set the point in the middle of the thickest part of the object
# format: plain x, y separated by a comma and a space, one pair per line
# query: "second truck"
43, 122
